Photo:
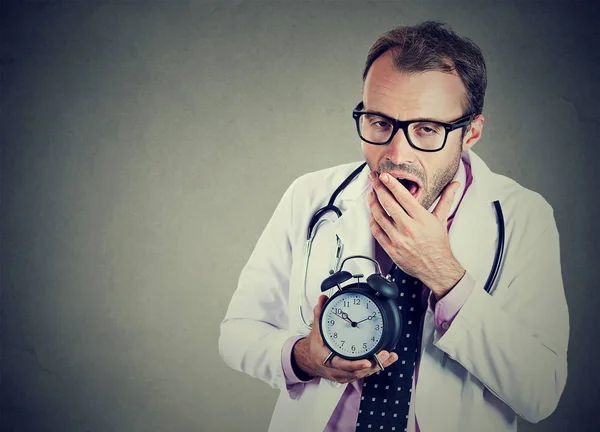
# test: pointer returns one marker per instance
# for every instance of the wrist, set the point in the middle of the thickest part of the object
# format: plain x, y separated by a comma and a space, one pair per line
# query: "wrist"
444, 284
299, 360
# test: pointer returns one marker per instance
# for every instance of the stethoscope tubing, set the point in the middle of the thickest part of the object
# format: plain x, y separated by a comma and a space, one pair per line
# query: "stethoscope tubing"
315, 223
499, 250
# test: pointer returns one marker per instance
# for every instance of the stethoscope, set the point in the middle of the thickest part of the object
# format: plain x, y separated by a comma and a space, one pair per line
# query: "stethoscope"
317, 221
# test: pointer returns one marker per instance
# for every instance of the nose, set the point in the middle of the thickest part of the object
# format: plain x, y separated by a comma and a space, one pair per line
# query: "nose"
399, 150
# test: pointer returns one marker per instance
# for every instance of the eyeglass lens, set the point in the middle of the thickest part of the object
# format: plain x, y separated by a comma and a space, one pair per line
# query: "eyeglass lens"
425, 135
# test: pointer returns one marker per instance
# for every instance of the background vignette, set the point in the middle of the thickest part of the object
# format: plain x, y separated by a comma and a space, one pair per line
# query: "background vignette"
121, 123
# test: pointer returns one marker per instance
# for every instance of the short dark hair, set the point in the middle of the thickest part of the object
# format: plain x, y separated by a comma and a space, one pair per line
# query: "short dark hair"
433, 45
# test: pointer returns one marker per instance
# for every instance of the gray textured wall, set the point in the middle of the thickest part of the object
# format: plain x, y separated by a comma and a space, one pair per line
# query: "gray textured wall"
146, 144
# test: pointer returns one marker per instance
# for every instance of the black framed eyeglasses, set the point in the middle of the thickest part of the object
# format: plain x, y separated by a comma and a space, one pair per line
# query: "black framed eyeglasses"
422, 134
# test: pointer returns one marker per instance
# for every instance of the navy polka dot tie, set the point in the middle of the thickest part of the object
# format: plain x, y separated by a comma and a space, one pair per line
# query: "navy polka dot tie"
385, 398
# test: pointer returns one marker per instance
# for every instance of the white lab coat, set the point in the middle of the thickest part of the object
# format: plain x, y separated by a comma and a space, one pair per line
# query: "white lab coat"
505, 353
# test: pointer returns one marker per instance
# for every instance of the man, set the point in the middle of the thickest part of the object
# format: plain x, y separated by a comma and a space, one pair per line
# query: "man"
423, 208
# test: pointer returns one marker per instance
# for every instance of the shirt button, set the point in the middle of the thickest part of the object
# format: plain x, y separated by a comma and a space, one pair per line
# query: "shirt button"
445, 325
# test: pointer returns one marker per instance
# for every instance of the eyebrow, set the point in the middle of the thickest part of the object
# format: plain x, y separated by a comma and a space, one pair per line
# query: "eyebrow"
379, 113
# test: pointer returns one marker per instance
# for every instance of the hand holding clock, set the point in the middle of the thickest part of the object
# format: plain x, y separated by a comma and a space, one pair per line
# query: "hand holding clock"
415, 239
311, 352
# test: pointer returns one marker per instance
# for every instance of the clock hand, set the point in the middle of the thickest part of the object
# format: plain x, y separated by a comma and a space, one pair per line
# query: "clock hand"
370, 317
344, 316
350, 320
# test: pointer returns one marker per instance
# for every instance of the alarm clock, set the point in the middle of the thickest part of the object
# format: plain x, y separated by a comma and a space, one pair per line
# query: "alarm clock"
362, 317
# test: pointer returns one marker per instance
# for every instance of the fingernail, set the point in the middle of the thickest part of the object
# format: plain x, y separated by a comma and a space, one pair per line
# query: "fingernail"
371, 176
384, 177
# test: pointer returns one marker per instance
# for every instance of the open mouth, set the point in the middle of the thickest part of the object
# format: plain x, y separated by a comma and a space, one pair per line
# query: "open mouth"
411, 186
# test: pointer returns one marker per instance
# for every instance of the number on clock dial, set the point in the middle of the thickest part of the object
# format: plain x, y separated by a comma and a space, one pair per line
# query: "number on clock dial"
339, 332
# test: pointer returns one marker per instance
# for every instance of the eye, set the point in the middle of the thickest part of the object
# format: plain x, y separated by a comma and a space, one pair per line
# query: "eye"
381, 124
377, 122
427, 129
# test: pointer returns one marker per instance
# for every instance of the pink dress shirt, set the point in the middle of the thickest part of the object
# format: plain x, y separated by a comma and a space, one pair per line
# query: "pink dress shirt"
343, 418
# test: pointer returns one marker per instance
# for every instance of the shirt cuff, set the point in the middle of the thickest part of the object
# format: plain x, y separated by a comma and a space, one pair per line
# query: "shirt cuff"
286, 361
446, 309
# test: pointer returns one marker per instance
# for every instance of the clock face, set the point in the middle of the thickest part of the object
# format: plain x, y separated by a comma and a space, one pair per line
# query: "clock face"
352, 325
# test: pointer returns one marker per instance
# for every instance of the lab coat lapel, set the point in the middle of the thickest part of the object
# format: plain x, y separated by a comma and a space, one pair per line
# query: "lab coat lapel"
473, 239
474, 233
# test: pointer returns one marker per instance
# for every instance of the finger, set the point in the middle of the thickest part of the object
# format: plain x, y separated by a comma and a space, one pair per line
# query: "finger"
343, 376
389, 203
411, 206
350, 365
381, 236
316, 328
390, 360
375, 369
386, 360
379, 360
318, 309
384, 357
442, 209
380, 216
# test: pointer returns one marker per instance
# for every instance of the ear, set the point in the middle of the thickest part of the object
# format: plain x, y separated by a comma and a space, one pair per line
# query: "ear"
474, 132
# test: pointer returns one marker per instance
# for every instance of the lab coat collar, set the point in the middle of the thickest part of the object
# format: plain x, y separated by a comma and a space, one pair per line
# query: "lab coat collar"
488, 189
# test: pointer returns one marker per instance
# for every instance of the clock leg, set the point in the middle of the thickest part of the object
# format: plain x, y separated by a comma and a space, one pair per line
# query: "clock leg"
328, 357
378, 361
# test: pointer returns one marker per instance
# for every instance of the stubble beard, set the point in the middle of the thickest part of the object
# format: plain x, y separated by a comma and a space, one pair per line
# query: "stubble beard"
440, 179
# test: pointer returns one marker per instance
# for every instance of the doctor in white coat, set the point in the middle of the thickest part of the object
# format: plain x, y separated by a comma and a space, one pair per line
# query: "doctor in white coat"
505, 352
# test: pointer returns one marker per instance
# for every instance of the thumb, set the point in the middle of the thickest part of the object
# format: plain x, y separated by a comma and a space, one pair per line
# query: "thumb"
317, 310
442, 209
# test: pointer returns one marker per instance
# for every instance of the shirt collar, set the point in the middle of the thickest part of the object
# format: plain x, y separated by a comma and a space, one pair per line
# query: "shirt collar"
461, 177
